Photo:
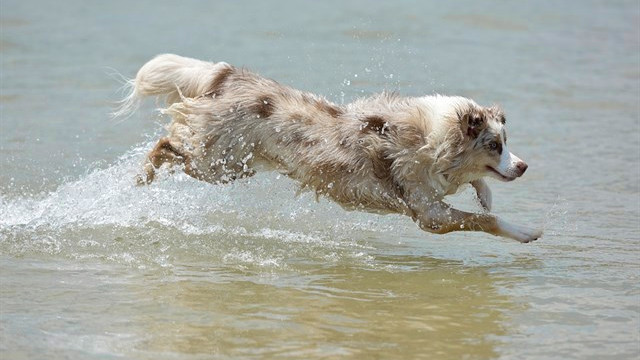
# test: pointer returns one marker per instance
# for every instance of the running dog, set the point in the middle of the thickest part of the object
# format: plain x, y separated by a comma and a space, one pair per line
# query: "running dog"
383, 154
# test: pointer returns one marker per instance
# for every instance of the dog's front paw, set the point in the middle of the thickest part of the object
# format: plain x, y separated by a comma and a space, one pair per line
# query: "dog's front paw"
521, 233
528, 235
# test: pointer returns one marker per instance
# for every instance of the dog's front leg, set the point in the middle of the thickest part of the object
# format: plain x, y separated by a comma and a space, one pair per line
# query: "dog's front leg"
438, 217
483, 192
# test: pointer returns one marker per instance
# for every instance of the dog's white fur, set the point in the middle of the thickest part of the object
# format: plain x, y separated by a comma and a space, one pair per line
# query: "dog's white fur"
385, 153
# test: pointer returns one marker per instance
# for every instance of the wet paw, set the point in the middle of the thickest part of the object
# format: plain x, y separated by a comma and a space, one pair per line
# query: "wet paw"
140, 180
530, 235
147, 175
521, 233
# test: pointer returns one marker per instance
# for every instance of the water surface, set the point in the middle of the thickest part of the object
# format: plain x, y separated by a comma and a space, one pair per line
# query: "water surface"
92, 266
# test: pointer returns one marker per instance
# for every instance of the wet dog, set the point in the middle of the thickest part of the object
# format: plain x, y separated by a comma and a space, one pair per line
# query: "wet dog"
383, 154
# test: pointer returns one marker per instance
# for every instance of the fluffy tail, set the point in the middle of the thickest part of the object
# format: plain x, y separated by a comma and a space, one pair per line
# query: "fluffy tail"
171, 76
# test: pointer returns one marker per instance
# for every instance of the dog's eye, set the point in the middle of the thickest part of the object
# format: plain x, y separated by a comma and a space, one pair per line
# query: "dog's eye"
493, 146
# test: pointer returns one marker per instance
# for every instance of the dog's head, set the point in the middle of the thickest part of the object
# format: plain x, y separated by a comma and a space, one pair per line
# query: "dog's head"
487, 152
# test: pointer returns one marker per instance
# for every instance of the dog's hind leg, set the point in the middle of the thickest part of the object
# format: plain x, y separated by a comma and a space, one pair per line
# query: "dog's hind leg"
164, 152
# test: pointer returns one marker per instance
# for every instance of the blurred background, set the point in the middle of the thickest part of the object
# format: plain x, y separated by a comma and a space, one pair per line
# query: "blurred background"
92, 266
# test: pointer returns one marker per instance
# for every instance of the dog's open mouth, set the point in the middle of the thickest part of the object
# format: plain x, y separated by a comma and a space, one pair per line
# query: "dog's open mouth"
499, 175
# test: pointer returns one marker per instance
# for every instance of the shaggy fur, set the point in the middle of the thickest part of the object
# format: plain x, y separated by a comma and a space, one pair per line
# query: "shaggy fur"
384, 154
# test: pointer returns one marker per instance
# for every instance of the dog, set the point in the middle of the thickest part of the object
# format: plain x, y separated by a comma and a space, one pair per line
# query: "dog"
382, 154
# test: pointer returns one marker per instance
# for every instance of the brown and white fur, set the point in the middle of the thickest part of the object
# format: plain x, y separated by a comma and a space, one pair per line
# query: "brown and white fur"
383, 154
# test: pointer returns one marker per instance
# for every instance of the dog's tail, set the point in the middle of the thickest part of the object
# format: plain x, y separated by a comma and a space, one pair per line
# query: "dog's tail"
171, 76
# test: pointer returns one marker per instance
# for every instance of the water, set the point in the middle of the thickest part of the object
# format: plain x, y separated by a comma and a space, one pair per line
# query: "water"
92, 266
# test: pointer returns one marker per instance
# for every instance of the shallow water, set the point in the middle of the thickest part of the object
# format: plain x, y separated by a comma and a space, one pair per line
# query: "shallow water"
92, 266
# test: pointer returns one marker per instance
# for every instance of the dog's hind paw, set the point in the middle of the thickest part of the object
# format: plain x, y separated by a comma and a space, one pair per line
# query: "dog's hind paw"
147, 175
140, 181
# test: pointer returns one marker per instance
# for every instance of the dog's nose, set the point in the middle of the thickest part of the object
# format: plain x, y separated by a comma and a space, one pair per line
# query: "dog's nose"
522, 167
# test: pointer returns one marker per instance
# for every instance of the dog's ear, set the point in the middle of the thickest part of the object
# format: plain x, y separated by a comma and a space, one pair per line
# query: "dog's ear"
472, 123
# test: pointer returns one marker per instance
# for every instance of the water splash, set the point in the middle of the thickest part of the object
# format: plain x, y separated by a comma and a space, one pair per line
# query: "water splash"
560, 219
106, 215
